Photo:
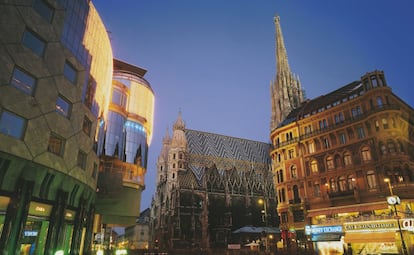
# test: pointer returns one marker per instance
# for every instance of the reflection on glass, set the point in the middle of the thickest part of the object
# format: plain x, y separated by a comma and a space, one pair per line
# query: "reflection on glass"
23, 81
12, 125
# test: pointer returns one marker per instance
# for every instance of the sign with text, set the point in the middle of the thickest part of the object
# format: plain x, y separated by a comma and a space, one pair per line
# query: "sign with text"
371, 225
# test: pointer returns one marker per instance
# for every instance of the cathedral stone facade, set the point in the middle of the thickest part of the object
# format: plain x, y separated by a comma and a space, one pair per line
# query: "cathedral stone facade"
209, 185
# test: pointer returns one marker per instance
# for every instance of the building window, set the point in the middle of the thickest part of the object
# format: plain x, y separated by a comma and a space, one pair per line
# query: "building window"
342, 138
372, 182
385, 123
356, 111
311, 147
23, 81
330, 163
308, 129
284, 217
376, 125
326, 143
291, 154
361, 132
56, 144
33, 42
366, 153
280, 176
351, 182
294, 172
87, 126
342, 183
69, 72
391, 146
82, 159
314, 166
379, 102
12, 125
44, 10
383, 148
63, 106
119, 98
316, 189
347, 159
95, 171
332, 185
323, 124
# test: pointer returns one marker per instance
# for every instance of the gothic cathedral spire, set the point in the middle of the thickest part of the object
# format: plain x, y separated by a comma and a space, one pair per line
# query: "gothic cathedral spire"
286, 91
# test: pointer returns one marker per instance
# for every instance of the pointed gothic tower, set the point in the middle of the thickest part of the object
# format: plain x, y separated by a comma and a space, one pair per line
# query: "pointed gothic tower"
286, 91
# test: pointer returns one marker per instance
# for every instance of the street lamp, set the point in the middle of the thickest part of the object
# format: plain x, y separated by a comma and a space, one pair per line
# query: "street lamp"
394, 200
264, 211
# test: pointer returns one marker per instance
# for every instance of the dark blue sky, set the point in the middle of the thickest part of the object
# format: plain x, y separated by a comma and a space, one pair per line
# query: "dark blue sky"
214, 60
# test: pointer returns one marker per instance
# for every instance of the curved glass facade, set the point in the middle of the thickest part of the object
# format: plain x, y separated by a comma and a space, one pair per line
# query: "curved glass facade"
57, 62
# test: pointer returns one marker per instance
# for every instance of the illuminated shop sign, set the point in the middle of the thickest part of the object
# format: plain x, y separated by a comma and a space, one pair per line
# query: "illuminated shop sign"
30, 233
371, 225
322, 229
407, 224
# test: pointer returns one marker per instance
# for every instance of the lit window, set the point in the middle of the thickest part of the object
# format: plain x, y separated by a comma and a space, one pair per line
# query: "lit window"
63, 106
44, 10
330, 163
311, 147
314, 166
347, 159
23, 81
372, 182
33, 42
56, 144
12, 125
82, 159
293, 171
69, 72
316, 189
291, 154
384, 123
366, 153
342, 183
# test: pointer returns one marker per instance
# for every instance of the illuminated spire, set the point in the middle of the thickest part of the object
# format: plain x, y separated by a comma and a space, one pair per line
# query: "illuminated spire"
286, 91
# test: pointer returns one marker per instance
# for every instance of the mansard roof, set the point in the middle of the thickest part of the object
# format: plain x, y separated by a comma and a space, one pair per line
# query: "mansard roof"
323, 102
221, 146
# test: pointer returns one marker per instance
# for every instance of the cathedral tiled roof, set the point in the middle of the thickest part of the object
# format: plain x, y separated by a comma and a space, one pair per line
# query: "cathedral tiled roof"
221, 146
224, 153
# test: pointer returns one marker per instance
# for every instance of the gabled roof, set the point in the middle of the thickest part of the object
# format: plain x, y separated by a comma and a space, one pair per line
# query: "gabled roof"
313, 105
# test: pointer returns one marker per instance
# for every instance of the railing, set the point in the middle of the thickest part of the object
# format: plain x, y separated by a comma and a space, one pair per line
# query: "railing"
130, 172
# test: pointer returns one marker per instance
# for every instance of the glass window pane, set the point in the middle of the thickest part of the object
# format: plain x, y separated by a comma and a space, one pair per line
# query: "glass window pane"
12, 125
70, 72
63, 106
43, 9
55, 145
23, 81
33, 42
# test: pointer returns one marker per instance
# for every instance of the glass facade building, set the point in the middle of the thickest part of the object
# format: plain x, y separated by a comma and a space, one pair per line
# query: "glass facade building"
56, 71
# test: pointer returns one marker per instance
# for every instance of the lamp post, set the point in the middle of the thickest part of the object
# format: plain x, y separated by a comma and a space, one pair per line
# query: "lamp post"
263, 202
394, 200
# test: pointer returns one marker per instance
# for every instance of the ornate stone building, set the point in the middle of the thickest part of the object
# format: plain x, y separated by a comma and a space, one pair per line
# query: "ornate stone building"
336, 158
209, 185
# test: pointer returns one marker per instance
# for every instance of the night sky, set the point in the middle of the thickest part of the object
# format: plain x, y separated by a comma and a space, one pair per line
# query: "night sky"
214, 59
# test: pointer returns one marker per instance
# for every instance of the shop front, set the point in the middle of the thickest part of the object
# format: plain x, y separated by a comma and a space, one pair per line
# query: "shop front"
327, 240
375, 237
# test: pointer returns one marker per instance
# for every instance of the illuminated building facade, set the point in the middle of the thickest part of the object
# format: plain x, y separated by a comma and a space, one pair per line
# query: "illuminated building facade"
55, 77
209, 185
123, 140
330, 158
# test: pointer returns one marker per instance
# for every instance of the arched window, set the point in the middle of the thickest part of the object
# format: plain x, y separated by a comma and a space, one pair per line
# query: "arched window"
371, 180
280, 176
332, 185
366, 153
294, 172
347, 159
383, 148
296, 197
351, 182
342, 183
391, 146
314, 166
330, 163
379, 101
385, 123
316, 189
